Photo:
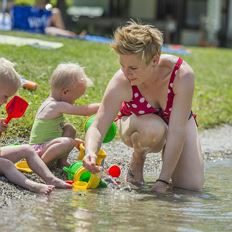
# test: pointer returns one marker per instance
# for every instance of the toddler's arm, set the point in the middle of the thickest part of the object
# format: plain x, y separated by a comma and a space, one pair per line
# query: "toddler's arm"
84, 110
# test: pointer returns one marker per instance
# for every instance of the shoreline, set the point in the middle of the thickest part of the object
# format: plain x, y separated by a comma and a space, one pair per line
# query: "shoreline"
216, 144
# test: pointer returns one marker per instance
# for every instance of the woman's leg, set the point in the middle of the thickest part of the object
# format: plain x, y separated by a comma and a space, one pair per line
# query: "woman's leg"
146, 133
17, 153
189, 172
8, 169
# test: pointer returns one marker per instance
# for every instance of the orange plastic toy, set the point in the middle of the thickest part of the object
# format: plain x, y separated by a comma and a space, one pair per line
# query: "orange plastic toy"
26, 84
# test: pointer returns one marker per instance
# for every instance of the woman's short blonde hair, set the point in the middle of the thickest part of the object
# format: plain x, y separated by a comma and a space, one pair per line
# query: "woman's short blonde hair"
135, 38
8, 74
66, 74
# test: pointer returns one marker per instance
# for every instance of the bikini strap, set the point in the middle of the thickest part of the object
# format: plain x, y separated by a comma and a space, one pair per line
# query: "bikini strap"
173, 75
170, 86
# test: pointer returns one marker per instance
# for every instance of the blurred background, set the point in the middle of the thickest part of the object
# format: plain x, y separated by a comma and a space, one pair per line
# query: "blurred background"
186, 22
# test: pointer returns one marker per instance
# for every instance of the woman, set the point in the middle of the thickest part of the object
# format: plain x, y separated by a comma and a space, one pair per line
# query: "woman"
153, 93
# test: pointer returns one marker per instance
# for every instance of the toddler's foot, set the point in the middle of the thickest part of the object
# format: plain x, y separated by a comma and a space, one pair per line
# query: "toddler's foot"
58, 183
39, 187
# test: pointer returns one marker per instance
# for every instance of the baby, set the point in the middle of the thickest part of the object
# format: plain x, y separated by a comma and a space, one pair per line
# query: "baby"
9, 84
51, 137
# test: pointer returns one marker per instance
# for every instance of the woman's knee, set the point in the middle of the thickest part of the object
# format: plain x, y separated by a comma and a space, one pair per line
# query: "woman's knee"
192, 186
149, 131
153, 136
190, 181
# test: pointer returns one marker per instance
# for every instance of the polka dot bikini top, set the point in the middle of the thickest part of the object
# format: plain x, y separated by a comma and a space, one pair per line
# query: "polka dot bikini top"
139, 105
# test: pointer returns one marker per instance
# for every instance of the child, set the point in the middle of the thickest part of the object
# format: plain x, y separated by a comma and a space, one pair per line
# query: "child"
9, 84
51, 137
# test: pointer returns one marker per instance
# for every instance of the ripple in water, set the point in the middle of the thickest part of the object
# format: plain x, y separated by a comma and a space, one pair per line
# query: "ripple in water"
121, 210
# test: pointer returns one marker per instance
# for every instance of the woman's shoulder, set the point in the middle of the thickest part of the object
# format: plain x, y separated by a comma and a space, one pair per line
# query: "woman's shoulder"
119, 74
168, 60
120, 84
120, 79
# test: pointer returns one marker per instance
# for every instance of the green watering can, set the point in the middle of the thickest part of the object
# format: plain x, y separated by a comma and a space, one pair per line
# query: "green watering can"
75, 167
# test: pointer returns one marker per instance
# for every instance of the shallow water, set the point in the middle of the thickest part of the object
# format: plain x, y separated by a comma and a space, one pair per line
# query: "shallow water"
120, 210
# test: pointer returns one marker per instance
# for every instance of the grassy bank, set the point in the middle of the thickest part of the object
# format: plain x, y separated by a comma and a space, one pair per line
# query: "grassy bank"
213, 93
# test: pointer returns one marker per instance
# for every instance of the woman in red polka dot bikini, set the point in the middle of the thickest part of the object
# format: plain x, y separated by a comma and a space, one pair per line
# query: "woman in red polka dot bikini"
153, 94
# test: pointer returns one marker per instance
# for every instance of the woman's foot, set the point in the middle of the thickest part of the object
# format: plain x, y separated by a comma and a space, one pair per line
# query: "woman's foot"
136, 180
58, 183
135, 171
39, 187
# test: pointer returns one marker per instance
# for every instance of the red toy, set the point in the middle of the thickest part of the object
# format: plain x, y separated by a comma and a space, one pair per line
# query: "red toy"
15, 108
114, 171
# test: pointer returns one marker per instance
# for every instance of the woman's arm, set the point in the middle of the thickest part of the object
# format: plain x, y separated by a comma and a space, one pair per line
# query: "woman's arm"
116, 92
182, 104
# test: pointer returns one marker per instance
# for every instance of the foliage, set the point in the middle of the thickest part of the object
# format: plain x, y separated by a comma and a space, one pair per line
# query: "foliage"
213, 93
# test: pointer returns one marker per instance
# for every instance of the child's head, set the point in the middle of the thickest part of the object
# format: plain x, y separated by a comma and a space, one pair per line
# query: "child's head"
9, 80
69, 81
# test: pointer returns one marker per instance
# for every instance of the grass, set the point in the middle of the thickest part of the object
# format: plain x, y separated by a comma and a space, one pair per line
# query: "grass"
213, 92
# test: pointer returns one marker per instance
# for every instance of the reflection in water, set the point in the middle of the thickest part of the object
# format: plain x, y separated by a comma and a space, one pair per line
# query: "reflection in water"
119, 210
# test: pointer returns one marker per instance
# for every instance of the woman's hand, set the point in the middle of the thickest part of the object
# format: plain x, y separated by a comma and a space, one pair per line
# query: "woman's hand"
3, 126
89, 162
160, 187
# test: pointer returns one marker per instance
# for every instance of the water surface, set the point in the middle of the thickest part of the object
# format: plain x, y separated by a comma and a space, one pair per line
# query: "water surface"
120, 210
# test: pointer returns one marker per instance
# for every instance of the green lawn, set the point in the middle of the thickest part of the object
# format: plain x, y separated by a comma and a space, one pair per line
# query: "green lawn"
213, 93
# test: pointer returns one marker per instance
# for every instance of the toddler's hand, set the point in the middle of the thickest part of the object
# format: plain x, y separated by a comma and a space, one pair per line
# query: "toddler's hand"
3, 126
89, 162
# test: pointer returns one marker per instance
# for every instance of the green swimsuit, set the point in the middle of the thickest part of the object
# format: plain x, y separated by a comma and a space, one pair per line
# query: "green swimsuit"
44, 130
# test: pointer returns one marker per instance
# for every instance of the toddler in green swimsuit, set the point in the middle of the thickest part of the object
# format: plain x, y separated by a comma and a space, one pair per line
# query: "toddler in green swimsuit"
9, 84
51, 137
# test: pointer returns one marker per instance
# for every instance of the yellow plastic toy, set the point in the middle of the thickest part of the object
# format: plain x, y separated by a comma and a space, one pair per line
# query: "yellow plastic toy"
94, 178
23, 166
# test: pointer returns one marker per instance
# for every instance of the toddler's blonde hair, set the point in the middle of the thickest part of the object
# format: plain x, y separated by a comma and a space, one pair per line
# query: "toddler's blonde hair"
135, 38
8, 74
66, 74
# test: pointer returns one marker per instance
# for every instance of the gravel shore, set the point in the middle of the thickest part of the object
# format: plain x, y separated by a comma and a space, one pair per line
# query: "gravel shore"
216, 143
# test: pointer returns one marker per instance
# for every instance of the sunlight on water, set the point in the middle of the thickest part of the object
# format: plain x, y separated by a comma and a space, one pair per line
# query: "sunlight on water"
119, 210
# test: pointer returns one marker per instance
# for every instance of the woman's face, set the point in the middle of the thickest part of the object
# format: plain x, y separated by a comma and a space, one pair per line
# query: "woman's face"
134, 69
